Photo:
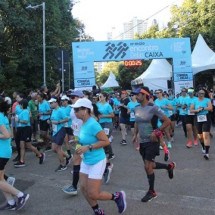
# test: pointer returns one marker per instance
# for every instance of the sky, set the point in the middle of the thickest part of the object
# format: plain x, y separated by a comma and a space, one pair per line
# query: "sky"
100, 16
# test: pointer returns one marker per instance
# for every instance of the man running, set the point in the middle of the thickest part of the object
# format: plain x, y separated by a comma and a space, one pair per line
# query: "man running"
146, 117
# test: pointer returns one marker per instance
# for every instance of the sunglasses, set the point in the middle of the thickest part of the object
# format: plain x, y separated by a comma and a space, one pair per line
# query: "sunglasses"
201, 93
183, 91
132, 95
76, 110
157, 92
72, 97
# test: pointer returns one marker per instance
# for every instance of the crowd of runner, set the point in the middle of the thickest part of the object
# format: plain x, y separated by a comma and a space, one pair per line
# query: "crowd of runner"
78, 126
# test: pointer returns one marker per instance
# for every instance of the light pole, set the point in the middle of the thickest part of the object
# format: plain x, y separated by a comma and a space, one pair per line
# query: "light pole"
43, 5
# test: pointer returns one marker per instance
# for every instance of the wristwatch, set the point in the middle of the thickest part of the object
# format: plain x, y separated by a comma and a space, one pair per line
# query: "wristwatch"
90, 148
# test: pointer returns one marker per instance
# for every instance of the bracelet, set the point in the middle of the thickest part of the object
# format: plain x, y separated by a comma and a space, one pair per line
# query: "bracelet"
158, 133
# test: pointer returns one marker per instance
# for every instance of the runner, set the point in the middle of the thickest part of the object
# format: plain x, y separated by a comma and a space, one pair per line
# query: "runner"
146, 116
76, 125
93, 139
5, 154
105, 119
24, 135
201, 106
57, 120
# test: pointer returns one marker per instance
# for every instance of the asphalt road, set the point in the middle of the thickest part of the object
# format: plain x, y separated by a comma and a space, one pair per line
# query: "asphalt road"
191, 192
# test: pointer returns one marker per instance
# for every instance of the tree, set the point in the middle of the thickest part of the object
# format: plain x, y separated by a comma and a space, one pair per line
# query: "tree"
21, 41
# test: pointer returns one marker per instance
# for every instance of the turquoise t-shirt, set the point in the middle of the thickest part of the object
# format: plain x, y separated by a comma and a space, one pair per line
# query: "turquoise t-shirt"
173, 103
24, 116
161, 103
188, 102
181, 101
104, 109
116, 103
131, 106
44, 107
67, 111
201, 103
87, 136
5, 144
57, 115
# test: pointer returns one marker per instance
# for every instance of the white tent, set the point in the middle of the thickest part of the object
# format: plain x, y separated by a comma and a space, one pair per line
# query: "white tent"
203, 58
111, 81
156, 75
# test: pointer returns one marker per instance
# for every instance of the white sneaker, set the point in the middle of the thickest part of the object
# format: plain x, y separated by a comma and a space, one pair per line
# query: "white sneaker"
203, 151
11, 180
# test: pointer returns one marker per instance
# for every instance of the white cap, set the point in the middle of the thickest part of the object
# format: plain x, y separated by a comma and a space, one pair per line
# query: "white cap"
52, 100
8, 100
83, 102
64, 97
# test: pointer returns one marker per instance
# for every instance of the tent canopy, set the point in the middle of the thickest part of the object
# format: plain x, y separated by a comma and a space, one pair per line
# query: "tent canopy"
111, 82
156, 75
203, 58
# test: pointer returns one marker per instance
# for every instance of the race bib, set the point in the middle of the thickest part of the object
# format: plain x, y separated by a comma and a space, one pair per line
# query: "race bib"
189, 113
54, 128
107, 131
201, 118
132, 115
75, 127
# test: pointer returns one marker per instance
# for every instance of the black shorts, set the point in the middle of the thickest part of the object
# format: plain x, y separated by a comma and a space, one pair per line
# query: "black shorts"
58, 138
34, 125
149, 151
203, 126
3, 162
44, 126
173, 117
190, 119
132, 124
24, 134
124, 120
108, 128
69, 131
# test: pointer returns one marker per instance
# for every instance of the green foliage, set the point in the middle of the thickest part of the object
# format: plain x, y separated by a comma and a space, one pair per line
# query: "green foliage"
21, 34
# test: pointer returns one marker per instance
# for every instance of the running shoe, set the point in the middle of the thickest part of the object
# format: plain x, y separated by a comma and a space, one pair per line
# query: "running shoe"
120, 199
107, 174
42, 158
149, 196
203, 151
99, 211
206, 156
195, 142
11, 180
8, 207
61, 168
16, 159
169, 145
70, 190
166, 155
111, 157
19, 164
68, 160
21, 201
123, 142
171, 167
189, 144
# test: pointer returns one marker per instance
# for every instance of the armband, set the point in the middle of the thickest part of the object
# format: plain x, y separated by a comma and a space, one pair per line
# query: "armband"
158, 133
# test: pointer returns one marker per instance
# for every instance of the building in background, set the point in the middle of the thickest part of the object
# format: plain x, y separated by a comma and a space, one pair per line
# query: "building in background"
133, 27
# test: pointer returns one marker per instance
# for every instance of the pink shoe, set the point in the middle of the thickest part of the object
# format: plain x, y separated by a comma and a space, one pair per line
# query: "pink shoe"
189, 144
195, 142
